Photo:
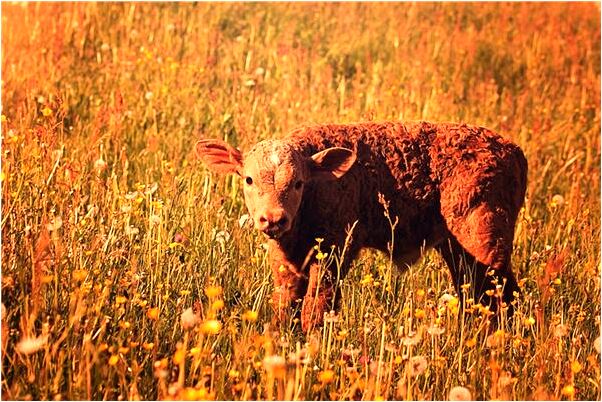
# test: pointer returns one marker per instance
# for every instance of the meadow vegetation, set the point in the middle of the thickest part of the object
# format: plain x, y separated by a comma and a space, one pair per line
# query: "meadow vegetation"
130, 272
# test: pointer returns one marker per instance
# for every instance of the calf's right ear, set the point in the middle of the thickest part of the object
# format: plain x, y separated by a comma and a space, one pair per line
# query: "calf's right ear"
219, 156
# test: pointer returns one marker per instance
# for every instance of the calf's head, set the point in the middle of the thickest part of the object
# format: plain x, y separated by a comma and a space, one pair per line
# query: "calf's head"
274, 175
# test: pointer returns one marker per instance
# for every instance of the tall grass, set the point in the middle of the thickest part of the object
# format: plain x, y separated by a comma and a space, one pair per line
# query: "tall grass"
127, 271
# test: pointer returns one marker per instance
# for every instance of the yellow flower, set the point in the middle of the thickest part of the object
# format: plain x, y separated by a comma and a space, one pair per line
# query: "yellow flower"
419, 313
113, 360
568, 391
250, 316
3, 119
211, 327
148, 345
320, 256
179, 356
120, 299
529, 321
367, 280
576, 367
153, 313
46, 111
233, 374
326, 376
213, 291
79, 275
470, 342
188, 394
217, 305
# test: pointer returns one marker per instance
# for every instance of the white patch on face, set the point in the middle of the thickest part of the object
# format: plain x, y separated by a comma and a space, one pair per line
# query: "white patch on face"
275, 159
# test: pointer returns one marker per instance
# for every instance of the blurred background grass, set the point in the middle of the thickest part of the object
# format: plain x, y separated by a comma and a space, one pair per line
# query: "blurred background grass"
111, 228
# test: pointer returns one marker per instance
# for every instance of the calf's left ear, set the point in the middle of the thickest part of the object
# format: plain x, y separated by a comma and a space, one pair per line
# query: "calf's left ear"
331, 163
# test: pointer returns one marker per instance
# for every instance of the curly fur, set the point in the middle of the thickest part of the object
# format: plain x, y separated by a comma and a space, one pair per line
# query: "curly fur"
454, 187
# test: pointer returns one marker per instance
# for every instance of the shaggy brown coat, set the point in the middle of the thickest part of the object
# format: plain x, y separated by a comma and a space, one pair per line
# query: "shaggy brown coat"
453, 187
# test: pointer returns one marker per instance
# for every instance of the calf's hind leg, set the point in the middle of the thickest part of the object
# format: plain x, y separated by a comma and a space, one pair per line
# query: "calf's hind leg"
481, 241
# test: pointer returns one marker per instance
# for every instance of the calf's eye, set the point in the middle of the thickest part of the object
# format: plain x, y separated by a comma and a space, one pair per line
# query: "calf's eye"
298, 184
249, 180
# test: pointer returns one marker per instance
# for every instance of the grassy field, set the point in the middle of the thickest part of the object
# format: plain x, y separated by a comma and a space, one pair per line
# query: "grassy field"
128, 271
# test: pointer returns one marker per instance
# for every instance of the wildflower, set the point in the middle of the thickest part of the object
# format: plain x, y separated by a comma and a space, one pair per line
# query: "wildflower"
46, 111
326, 377
419, 313
188, 394
366, 280
79, 275
148, 345
123, 350
179, 356
557, 201
211, 327
561, 330
320, 256
331, 317
275, 364
529, 321
597, 344
460, 394
213, 291
411, 339
435, 330
416, 366
189, 319
120, 299
28, 346
250, 316
131, 230
217, 305
100, 165
153, 313
55, 224
233, 374
3, 119
496, 339
113, 360
576, 367
568, 391
420, 293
